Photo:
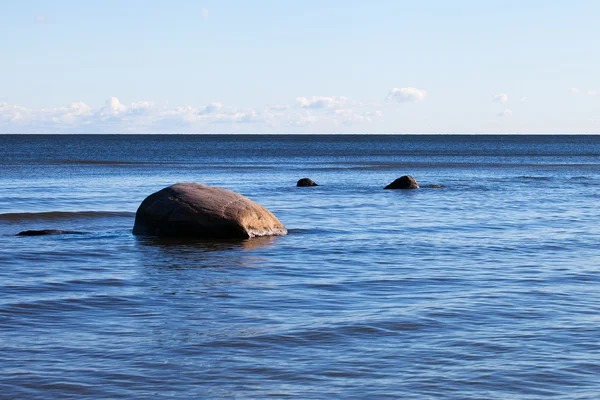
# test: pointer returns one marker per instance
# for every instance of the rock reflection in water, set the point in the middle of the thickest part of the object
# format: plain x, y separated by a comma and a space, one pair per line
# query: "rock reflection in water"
200, 253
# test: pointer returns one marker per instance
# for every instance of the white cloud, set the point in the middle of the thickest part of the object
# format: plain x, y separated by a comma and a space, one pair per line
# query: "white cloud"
501, 98
80, 108
142, 105
278, 108
74, 113
351, 117
68, 115
247, 117
12, 113
138, 108
210, 108
317, 102
204, 12
317, 113
113, 107
241, 117
523, 99
41, 19
590, 92
301, 120
505, 113
405, 95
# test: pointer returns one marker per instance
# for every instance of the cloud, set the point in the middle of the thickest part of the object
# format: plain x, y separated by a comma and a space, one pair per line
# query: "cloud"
240, 117
296, 120
322, 111
12, 113
523, 99
71, 114
352, 117
278, 108
376, 113
41, 19
112, 107
204, 12
79, 108
501, 98
210, 108
317, 102
406, 95
142, 105
138, 108
114, 116
505, 113
590, 92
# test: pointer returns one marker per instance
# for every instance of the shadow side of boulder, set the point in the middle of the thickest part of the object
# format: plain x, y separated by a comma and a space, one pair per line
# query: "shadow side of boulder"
404, 182
306, 182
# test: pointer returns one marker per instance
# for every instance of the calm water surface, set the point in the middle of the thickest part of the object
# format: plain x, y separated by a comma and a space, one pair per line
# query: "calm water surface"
486, 288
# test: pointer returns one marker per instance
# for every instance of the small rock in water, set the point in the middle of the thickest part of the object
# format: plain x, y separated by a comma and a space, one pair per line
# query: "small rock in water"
404, 182
196, 210
306, 182
43, 232
433, 186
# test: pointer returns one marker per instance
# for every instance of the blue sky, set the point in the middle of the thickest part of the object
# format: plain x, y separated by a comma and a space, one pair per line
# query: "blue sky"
299, 66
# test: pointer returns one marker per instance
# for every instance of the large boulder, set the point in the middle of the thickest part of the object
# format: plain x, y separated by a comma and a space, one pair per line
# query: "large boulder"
404, 182
196, 210
306, 182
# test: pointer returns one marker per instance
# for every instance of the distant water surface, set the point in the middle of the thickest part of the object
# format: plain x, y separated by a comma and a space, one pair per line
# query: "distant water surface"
486, 288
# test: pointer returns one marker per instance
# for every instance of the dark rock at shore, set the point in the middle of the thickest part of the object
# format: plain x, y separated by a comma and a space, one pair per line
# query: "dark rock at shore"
404, 182
306, 182
196, 210
43, 232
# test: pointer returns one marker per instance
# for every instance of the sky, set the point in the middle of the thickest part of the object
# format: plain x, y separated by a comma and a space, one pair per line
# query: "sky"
284, 66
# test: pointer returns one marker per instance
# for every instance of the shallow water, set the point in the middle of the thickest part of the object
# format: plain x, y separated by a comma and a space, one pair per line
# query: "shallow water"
485, 288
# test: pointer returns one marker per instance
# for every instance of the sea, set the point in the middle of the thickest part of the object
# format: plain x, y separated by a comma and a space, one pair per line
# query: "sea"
482, 284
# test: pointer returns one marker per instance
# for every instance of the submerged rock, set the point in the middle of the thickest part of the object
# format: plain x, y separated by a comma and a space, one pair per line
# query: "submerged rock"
306, 182
196, 210
404, 182
43, 232
433, 186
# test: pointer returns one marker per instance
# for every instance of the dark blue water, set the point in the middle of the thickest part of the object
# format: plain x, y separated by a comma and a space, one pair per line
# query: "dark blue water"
486, 288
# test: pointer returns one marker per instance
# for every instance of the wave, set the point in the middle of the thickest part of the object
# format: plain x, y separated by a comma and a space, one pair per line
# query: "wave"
585, 180
99, 162
54, 215
536, 178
